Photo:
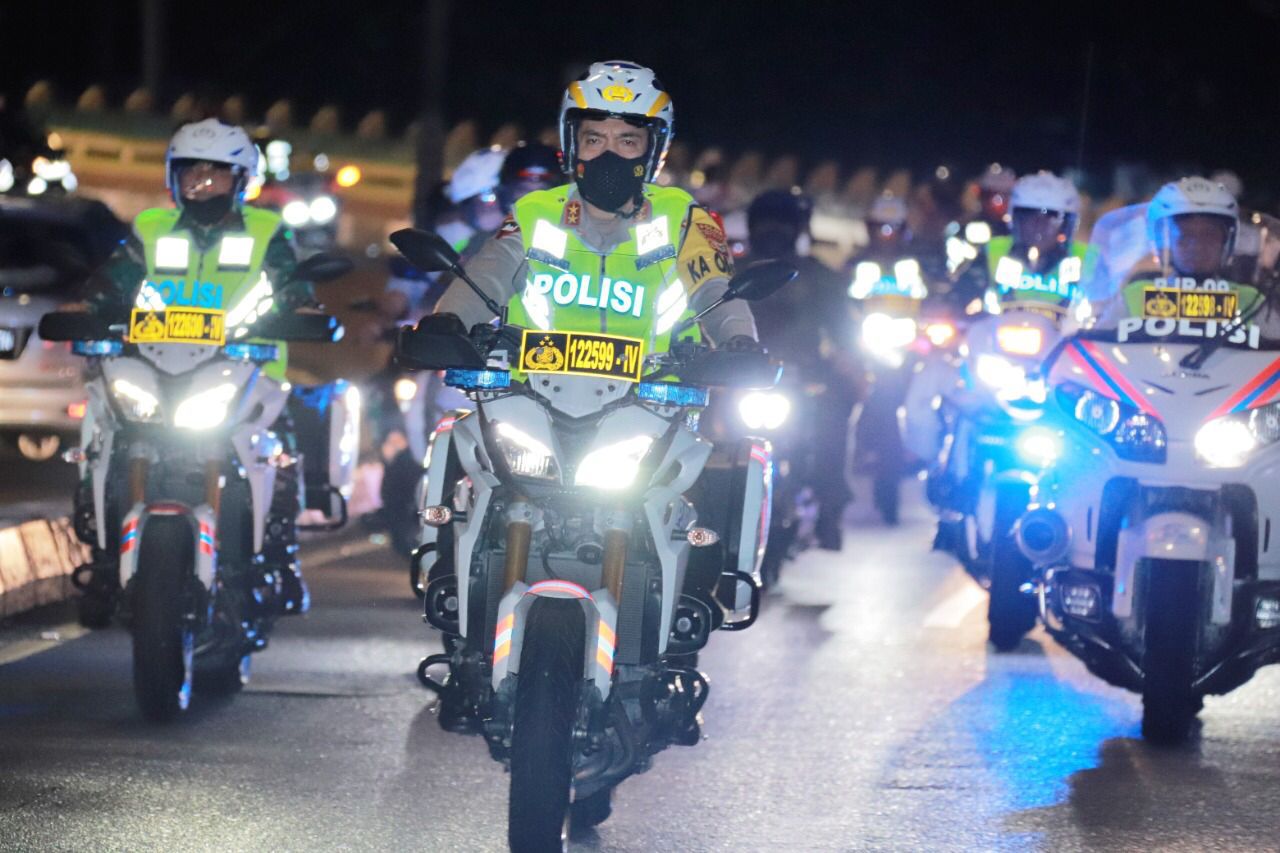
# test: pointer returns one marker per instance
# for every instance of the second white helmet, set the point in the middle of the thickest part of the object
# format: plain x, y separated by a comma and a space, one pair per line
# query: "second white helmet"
478, 173
1046, 191
1192, 195
213, 141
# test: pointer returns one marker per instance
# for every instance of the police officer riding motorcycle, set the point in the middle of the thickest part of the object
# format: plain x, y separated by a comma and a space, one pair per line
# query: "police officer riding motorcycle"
572, 499
978, 416
194, 392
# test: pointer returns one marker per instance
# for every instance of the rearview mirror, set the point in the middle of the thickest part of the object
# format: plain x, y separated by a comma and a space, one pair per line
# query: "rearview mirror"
322, 267
760, 279
438, 342
73, 326
732, 369
426, 250
317, 328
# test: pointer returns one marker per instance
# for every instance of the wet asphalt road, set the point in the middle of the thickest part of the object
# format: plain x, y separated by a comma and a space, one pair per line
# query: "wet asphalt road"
863, 712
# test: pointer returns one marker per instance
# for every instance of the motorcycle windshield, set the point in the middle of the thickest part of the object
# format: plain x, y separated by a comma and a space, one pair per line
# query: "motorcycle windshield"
1141, 283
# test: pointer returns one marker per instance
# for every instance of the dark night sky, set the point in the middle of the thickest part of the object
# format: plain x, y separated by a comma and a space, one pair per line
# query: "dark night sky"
887, 84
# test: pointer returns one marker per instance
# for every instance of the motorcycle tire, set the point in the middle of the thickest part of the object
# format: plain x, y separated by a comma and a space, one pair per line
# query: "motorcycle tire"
1010, 614
591, 811
1173, 614
162, 637
542, 743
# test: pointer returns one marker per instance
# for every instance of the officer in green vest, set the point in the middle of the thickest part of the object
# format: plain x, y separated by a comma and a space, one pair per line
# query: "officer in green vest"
210, 251
1037, 266
613, 251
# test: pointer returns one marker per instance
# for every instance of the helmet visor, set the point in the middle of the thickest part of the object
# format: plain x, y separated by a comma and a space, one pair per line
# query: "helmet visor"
1038, 229
197, 180
1197, 243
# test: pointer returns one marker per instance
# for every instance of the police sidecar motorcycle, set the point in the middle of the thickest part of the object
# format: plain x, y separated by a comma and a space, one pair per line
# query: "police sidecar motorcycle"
1154, 535
573, 559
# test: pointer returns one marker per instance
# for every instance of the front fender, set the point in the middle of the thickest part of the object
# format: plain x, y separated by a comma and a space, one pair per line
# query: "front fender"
204, 532
598, 609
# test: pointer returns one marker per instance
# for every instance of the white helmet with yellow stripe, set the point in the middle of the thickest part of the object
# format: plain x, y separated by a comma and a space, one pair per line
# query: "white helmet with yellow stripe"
618, 89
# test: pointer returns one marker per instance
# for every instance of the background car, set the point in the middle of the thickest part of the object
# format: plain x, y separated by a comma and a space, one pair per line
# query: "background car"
47, 249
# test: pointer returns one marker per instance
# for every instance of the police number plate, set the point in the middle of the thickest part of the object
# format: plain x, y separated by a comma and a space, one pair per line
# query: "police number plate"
1161, 303
581, 354
178, 326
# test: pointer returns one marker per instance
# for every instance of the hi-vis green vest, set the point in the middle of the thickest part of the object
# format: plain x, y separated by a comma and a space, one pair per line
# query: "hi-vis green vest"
228, 276
1016, 286
633, 291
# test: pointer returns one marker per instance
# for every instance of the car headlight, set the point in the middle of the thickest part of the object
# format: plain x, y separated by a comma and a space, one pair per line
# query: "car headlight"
322, 209
615, 467
206, 409
764, 409
1136, 436
1227, 442
296, 213
524, 454
138, 404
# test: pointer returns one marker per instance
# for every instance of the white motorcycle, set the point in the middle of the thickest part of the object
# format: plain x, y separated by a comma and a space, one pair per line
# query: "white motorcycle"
180, 463
1153, 534
994, 449
574, 553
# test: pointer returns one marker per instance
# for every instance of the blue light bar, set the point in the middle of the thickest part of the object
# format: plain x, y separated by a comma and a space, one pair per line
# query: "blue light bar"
477, 380
97, 347
252, 352
672, 394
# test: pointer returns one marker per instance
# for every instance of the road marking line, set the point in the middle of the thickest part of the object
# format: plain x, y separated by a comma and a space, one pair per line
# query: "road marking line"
50, 638
956, 607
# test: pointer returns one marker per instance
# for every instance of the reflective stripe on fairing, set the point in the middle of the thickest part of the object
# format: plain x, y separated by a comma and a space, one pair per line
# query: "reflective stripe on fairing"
606, 642
567, 587
206, 539
502, 638
1094, 364
129, 537
1258, 391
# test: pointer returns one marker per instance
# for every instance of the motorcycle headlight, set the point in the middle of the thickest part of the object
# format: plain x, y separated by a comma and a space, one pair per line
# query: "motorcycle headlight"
1136, 436
1020, 340
137, 403
764, 409
322, 209
886, 337
524, 454
296, 213
1228, 442
206, 409
1000, 374
615, 467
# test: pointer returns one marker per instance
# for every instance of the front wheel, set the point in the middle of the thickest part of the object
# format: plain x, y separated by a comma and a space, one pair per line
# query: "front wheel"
1010, 613
546, 708
162, 636
1173, 612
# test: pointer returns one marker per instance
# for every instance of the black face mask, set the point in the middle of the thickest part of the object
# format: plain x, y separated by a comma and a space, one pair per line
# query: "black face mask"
610, 181
209, 211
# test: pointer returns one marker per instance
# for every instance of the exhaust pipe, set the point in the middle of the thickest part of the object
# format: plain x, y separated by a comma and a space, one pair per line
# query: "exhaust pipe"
1043, 536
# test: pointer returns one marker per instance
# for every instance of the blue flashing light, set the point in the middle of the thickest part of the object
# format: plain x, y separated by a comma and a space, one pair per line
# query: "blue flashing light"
477, 380
1039, 446
672, 394
97, 347
252, 352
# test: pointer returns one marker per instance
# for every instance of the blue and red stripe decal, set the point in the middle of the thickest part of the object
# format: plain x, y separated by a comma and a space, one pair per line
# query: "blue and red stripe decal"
129, 536
1258, 391
1106, 377
206, 539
